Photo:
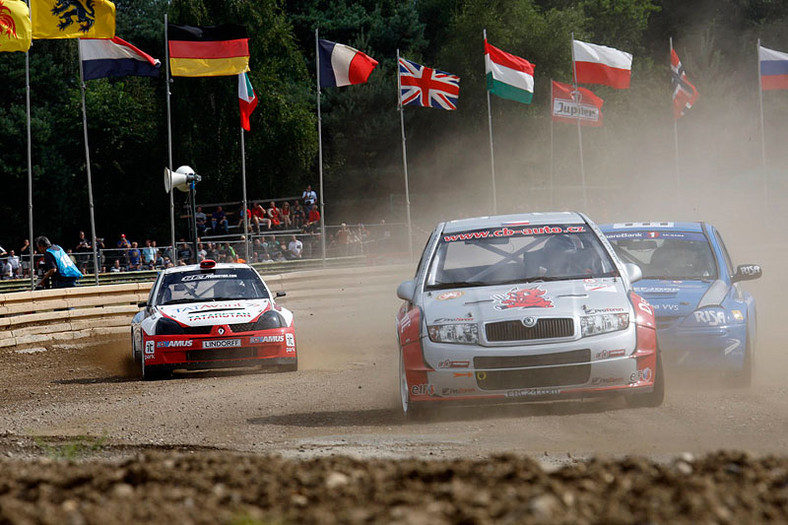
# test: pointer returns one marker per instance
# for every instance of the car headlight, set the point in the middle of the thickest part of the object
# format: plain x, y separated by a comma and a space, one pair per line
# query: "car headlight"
166, 326
454, 333
268, 320
603, 323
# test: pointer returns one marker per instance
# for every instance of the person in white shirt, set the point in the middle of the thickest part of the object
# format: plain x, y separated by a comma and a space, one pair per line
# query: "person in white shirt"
294, 248
6, 272
309, 197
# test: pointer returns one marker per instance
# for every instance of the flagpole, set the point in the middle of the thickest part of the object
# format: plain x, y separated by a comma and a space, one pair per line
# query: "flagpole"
492, 151
320, 152
675, 132
579, 129
87, 163
173, 257
405, 161
245, 205
30, 165
760, 98
552, 151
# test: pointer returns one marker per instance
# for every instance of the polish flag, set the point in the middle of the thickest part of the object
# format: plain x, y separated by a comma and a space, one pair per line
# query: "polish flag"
595, 64
341, 65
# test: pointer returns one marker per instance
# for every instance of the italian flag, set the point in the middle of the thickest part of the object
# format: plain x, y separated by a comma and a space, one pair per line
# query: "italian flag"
246, 98
508, 76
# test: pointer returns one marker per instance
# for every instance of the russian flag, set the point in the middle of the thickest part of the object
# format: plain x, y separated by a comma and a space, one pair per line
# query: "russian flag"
115, 57
341, 65
595, 64
774, 69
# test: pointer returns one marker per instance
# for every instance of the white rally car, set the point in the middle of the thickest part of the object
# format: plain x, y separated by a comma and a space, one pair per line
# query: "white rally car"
212, 316
524, 307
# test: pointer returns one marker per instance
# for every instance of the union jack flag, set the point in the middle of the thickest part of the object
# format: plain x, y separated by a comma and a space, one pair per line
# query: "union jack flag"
428, 88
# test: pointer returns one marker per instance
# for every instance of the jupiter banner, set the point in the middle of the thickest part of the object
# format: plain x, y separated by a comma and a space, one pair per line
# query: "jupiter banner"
208, 51
73, 18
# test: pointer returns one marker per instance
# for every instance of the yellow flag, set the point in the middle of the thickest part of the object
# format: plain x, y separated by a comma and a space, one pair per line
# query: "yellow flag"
14, 26
73, 18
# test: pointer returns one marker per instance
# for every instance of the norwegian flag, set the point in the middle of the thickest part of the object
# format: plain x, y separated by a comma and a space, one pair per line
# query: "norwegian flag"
428, 88
684, 93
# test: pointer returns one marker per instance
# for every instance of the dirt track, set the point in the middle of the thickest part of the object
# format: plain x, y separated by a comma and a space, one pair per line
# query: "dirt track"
343, 401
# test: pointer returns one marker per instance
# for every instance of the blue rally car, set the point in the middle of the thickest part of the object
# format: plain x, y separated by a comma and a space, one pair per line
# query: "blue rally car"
704, 320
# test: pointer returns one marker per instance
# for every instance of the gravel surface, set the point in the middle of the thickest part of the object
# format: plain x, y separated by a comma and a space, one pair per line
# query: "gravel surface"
84, 440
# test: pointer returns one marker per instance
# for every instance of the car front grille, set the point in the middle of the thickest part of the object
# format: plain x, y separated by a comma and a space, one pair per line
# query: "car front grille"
220, 354
525, 361
515, 330
533, 377
242, 327
197, 330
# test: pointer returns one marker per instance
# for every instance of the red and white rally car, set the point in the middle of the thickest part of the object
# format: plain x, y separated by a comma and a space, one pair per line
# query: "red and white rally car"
212, 315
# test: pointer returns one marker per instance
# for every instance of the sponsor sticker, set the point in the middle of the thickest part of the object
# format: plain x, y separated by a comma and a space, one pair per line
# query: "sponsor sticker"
527, 392
422, 390
174, 344
641, 375
289, 340
522, 298
149, 348
445, 296
709, 317
448, 363
207, 277
609, 354
267, 339
221, 343
457, 391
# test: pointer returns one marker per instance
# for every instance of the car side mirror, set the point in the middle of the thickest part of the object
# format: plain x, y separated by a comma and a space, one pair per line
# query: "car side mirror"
280, 294
142, 304
406, 290
747, 272
634, 273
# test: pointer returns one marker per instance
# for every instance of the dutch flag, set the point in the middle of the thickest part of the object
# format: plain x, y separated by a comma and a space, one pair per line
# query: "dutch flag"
115, 57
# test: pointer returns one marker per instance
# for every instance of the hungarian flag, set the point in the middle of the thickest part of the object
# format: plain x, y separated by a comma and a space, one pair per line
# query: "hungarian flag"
570, 105
508, 76
15, 29
246, 98
595, 64
684, 93
73, 18
774, 69
115, 57
342, 65
213, 51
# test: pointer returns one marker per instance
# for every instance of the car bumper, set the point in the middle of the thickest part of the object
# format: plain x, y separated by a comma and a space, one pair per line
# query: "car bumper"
587, 367
718, 348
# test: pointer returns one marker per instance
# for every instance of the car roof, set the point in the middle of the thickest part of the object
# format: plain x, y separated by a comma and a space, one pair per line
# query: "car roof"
196, 267
518, 219
655, 225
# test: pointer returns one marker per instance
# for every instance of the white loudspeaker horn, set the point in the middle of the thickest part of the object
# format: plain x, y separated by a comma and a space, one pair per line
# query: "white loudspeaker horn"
179, 178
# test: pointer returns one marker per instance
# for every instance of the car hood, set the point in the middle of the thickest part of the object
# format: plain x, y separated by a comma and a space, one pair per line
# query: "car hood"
546, 299
672, 298
211, 313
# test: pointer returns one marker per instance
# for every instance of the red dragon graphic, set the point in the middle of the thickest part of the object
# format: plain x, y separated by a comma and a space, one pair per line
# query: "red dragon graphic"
7, 22
522, 298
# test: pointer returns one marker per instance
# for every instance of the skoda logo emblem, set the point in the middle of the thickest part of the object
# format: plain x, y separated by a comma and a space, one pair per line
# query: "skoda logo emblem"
529, 322
221, 331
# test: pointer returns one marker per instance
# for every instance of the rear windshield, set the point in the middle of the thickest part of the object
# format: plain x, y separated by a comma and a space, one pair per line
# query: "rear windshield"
210, 285
673, 255
514, 254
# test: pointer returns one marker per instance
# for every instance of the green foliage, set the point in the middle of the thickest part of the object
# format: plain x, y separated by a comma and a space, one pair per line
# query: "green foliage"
79, 448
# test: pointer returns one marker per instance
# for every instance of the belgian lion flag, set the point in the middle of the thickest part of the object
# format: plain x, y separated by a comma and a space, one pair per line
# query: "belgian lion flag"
208, 51
73, 18
14, 26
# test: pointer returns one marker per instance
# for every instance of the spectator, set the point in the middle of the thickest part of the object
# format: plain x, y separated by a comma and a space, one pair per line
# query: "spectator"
135, 257
6, 271
294, 248
242, 215
116, 267
273, 214
202, 253
24, 251
149, 255
3, 253
83, 244
313, 220
286, 216
201, 221
299, 216
16, 267
98, 242
309, 197
219, 221
211, 252
123, 247
184, 252
59, 269
259, 216
343, 240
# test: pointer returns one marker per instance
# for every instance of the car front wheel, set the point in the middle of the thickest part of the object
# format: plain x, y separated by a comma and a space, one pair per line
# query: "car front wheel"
656, 396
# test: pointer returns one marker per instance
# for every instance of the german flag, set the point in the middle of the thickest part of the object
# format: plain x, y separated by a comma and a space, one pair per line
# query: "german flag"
208, 51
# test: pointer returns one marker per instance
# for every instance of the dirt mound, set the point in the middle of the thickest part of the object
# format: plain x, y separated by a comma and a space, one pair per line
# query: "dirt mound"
201, 486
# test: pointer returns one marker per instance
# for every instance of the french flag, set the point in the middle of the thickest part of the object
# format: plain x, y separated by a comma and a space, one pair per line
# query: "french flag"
595, 64
341, 65
774, 69
115, 57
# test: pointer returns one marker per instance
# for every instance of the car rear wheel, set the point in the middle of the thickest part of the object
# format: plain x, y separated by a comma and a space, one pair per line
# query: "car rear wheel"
656, 396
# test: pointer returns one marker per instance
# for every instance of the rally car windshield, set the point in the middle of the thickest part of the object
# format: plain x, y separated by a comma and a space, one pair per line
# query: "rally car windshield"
679, 256
219, 284
518, 254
